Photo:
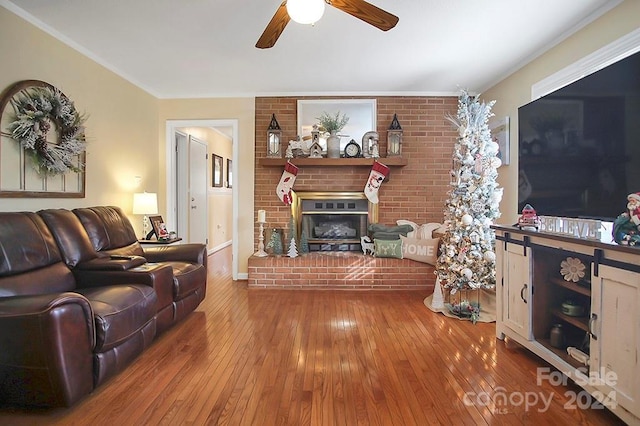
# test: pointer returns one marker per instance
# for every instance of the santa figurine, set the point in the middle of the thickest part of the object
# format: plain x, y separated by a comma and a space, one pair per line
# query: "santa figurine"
633, 206
626, 227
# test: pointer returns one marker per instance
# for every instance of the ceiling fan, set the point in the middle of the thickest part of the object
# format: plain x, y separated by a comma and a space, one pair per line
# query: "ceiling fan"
359, 8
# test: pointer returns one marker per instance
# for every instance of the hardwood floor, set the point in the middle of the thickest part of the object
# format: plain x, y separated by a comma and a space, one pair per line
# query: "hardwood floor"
271, 357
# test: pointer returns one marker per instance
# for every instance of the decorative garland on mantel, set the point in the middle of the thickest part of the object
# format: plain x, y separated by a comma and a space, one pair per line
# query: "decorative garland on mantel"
36, 107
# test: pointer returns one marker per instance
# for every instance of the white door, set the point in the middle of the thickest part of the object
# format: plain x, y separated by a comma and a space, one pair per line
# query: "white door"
198, 232
182, 184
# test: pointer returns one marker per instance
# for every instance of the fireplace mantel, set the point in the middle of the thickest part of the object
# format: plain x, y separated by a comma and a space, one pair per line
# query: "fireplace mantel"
350, 162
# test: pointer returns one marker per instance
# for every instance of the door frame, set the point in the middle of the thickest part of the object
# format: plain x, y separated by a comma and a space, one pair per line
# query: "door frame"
171, 176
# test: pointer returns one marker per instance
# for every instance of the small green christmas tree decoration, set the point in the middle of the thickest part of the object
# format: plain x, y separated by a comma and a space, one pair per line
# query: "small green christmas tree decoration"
275, 242
467, 259
292, 235
292, 228
304, 242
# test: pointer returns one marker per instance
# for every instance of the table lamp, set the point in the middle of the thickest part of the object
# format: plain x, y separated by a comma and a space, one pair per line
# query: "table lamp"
145, 203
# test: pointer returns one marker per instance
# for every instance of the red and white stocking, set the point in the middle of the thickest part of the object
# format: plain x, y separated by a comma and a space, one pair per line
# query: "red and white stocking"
378, 172
286, 183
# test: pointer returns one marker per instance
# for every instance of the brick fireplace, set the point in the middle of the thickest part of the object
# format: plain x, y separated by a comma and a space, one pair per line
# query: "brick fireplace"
414, 191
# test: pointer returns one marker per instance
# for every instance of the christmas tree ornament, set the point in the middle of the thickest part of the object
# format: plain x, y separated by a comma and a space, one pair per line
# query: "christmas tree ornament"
467, 273
288, 178
489, 256
378, 172
495, 162
478, 164
466, 219
477, 206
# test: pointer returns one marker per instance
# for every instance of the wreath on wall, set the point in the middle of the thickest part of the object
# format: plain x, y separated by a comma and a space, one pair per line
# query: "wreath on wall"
37, 106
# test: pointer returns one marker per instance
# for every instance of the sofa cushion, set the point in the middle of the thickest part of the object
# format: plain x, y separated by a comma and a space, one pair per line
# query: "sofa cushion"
120, 311
30, 262
70, 235
108, 228
25, 243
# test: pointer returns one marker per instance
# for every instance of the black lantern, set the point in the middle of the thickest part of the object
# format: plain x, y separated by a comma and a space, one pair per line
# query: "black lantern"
394, 138
274, 139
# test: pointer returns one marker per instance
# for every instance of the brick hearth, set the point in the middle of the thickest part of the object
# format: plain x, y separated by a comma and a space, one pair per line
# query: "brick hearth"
339, 270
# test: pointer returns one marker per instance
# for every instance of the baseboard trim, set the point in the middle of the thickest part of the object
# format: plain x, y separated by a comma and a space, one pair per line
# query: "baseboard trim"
219, 247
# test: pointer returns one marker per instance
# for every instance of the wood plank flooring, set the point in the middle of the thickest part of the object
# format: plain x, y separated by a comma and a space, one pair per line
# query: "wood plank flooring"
294, 357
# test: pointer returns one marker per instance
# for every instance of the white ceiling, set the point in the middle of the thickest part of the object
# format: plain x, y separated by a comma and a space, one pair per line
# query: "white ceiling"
205, 48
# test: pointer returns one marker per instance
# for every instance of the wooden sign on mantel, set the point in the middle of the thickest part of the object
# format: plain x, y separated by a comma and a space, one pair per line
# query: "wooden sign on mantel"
589, 229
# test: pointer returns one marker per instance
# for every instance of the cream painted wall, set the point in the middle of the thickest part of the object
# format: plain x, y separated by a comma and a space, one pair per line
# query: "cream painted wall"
121, 117
515, 90
219, 200
243, 110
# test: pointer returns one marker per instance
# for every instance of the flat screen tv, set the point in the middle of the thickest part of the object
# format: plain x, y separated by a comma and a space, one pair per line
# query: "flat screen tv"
579, 147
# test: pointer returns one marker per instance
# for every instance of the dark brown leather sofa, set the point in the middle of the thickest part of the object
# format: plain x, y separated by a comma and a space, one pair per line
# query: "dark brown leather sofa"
71, 316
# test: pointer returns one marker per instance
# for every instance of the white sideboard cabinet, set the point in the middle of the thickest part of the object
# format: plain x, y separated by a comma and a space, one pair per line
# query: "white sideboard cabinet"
594, 315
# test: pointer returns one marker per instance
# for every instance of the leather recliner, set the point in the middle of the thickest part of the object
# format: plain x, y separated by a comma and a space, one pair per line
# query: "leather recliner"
89, 237
59, 337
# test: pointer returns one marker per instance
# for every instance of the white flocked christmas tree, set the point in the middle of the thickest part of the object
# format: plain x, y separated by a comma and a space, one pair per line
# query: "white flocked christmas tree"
467, 258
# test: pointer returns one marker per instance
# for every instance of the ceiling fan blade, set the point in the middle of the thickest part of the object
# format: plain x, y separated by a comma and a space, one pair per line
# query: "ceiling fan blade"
367, 12
274, 28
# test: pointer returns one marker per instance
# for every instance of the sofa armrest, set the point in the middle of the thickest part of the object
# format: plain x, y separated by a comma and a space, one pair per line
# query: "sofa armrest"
111, 263
195, 253
47, 346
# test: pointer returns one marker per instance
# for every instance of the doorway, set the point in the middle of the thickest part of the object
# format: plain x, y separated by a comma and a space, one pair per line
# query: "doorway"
191, 189
175, 202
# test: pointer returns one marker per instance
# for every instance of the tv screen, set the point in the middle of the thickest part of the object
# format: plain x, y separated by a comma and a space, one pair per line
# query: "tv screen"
579, 147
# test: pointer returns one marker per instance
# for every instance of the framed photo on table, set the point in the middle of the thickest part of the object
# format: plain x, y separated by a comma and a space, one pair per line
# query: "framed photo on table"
216, 171
159, 227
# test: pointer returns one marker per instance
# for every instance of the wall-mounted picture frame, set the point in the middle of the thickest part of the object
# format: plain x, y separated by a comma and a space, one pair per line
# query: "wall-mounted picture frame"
499, 128
216, 171
229, 173
159, 227
361, 112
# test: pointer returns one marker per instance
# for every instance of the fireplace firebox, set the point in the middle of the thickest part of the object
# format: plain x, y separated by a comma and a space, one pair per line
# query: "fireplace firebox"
333, 221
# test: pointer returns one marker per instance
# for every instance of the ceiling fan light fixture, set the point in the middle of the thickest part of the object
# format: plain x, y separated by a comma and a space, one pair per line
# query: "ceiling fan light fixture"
305, 11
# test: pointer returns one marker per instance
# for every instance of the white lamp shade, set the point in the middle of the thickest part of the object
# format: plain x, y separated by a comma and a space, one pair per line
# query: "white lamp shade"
305, 11
145, 203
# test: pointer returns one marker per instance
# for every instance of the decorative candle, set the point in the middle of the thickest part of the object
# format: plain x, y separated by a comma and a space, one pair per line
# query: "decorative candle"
262, 216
